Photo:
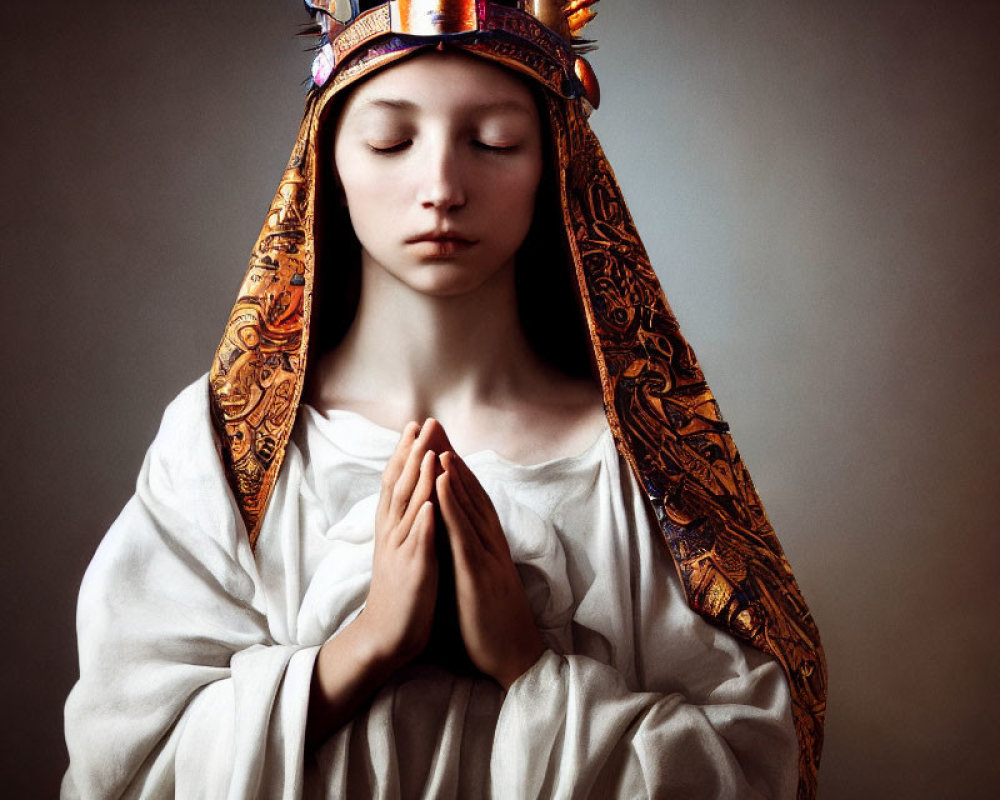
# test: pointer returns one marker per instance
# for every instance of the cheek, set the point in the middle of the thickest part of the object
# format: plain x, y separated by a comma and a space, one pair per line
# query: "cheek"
359, 183
369, 193
515, 193
362, 178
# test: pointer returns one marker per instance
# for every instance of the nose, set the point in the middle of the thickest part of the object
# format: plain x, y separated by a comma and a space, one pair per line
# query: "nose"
441, 187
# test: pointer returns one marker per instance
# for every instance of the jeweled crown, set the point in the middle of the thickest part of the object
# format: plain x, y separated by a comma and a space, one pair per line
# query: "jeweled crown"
553, 26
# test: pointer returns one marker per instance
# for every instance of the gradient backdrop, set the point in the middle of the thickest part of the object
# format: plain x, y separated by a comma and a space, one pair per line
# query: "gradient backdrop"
818, 184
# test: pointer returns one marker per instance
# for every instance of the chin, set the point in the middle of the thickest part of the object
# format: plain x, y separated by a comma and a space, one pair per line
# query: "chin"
449, 277
446, 282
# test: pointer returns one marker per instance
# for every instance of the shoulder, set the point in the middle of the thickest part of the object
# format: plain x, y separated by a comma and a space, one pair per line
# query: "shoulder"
182, 517
182, 486
185, 435
189, 407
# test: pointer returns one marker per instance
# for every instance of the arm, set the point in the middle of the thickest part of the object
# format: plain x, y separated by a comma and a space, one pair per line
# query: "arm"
189, 684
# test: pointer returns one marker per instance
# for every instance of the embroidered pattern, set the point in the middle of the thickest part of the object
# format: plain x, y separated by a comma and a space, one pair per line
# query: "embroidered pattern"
668, 426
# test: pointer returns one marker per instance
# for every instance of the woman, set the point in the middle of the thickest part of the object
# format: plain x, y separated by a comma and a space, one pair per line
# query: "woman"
403, 621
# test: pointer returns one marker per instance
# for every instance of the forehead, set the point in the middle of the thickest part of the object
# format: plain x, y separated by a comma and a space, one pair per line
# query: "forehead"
438, 81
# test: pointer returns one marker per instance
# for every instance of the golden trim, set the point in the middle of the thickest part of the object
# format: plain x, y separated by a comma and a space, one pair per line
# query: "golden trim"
434, 17
368, 26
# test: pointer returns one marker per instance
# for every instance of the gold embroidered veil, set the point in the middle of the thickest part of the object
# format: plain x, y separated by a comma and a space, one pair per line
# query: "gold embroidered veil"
661, 411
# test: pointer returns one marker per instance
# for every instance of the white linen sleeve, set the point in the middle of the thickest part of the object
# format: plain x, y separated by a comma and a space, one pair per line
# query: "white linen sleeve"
571, 728
648, 700
183, 690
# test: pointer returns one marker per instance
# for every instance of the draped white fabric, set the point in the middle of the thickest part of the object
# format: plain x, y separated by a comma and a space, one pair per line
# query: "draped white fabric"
196, 656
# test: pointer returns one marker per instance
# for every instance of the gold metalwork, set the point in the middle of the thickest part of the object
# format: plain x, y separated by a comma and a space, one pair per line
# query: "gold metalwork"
368, 26
434, 17
550, 25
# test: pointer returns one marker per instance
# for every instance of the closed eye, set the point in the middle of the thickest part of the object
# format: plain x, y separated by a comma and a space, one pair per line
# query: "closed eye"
389, 149
494, 148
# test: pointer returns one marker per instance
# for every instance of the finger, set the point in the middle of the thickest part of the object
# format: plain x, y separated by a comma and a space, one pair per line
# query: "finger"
407, 481
465, 482
437, 438
466, 545
474, 489
478, 508
395, 466
461, 495
422, 533
421, 493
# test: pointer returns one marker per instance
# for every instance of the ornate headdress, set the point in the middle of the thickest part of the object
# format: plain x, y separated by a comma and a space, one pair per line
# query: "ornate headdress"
663, 415
549, 27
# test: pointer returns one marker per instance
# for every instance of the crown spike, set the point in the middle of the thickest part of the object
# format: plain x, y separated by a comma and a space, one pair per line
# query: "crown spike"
309, 30
579, 14
580, 20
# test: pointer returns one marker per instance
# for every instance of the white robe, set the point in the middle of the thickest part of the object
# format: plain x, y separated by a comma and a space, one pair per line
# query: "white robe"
196, 655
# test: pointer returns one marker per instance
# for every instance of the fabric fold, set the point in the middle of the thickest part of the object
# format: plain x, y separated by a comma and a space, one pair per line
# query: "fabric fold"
182, 686
591, 736
195, 673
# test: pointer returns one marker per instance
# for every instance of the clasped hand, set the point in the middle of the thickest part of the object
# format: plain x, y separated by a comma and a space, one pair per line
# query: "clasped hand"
495, 620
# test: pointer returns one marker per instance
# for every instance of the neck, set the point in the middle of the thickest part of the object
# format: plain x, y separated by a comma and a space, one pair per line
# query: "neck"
412, 354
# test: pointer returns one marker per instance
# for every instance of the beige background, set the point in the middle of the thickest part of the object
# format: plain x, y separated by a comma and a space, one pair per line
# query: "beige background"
817, 183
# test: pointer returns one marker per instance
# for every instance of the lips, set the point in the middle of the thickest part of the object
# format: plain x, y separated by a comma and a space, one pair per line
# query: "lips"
436, 245
442, 237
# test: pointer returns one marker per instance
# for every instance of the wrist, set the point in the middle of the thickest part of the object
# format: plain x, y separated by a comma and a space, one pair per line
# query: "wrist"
349, 670
375, 655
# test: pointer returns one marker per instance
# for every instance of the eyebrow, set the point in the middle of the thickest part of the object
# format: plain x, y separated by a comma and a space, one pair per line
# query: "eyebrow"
481, 108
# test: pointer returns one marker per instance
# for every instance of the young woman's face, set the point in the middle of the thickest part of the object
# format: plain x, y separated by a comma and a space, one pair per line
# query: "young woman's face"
440, 158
